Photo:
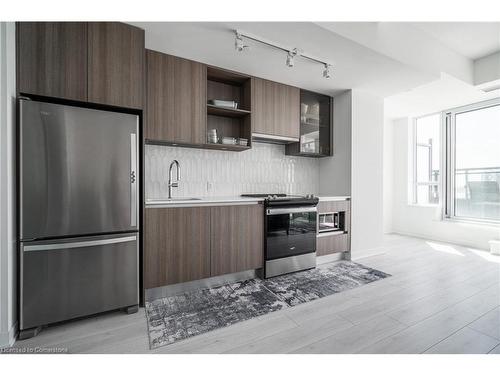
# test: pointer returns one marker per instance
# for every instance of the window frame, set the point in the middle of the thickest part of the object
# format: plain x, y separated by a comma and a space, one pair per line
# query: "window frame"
448, 208
414, 144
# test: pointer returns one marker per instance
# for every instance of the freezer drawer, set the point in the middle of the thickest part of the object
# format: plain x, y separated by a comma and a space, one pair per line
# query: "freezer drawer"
61, 280
78, 171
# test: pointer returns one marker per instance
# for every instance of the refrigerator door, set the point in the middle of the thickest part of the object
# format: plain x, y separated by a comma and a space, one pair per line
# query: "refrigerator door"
78, 171
65, 279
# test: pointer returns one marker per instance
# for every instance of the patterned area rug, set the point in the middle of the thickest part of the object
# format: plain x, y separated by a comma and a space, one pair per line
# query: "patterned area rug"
189, 314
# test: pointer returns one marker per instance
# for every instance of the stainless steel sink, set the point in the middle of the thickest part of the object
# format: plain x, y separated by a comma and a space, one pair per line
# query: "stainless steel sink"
166, 200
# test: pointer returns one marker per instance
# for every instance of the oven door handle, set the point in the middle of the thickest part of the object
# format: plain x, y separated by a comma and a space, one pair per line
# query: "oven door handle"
281, 211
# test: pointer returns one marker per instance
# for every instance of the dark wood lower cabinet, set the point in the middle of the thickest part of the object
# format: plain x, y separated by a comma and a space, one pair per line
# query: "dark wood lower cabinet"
332, 244
237, 238
176, 245
192, 243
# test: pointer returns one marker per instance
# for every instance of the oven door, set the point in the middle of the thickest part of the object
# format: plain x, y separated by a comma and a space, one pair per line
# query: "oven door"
290, 231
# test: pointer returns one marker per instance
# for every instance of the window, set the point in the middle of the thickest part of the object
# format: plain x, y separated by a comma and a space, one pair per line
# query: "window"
473, 162
426, 159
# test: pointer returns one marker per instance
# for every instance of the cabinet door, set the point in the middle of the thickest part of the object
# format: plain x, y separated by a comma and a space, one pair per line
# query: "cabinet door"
237, 238
263, 106
287, 111
176, 99
332, 244
176, 245
275, 108
116, 64
52, 59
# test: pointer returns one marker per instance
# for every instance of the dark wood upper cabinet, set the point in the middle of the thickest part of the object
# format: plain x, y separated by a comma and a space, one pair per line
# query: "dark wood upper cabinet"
237, 238
315, 126
275, 109
176, 245
176, 108
52, 59
115, 64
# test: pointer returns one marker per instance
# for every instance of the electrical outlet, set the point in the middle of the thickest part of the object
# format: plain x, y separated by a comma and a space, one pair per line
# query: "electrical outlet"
210, 186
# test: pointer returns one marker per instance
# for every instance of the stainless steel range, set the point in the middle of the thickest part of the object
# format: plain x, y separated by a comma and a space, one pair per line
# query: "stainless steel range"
290, 233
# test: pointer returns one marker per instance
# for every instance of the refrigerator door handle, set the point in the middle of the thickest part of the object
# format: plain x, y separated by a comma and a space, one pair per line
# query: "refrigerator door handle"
133, 179
72, 245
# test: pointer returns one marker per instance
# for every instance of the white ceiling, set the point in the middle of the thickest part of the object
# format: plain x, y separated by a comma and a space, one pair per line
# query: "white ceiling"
470, 39
355, 66
385, 58
444, 93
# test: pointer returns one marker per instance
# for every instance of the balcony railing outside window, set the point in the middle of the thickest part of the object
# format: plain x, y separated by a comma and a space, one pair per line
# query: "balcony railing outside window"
477, 193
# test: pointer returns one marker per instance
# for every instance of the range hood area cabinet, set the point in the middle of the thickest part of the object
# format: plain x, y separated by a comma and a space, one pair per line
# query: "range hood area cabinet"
97, 62
316, 115
276, 111
176, 98
192, 243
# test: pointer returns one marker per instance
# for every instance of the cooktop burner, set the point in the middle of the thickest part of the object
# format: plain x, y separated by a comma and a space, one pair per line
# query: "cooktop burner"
283, 199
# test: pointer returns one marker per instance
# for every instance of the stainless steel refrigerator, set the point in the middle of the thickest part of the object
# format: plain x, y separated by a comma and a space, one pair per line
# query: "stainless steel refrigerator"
78, 207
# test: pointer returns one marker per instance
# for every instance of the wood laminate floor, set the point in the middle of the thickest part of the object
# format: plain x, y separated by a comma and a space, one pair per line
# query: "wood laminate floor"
441, 298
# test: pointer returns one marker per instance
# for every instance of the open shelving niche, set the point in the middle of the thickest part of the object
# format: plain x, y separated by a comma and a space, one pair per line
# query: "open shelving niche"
226, 85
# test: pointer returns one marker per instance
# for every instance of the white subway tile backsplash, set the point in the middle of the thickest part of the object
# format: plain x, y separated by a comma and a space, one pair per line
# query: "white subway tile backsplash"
263, 169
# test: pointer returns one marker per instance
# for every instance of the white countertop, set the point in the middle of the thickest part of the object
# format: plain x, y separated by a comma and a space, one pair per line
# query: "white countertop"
335, 198
218, 201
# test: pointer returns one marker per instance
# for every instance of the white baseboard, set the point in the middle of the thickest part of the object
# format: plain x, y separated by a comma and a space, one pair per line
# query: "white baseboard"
360, 254
441, 239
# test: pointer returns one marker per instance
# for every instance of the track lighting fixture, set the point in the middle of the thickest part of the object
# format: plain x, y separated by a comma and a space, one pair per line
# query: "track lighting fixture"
291, 52
238, 43
326, 71
289, 57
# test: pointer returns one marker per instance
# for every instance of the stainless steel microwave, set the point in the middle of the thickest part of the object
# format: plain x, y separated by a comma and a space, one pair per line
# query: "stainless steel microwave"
331, 222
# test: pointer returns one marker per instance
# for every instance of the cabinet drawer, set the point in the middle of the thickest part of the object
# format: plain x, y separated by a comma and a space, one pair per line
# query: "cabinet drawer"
332, 244
333, 206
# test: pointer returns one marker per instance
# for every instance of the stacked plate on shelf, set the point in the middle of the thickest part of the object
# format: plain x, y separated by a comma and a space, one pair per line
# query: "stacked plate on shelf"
224, 103
212, 136
228, 140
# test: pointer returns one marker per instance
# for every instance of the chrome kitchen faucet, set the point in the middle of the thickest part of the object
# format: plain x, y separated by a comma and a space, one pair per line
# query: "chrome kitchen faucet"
175, 183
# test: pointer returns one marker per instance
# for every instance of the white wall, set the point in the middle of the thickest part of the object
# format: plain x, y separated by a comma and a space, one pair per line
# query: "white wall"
388, 175
335, 171
8, 314
263, 169
367, 171
487, 69
356, 167
425, 221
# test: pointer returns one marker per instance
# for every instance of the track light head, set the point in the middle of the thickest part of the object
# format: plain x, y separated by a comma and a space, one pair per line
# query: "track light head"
238, 43
289, 57
326, 71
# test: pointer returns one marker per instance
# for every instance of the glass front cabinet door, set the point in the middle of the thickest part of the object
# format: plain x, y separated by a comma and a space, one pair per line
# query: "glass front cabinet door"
315, 126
